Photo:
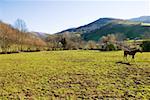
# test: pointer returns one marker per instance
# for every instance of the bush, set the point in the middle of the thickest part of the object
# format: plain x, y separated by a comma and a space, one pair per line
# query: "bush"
146, 46
109, 47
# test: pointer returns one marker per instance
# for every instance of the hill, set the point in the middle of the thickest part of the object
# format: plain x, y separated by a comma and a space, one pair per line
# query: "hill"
91, 26
12, 40
144, 19
128, 29
103, 26
40, 34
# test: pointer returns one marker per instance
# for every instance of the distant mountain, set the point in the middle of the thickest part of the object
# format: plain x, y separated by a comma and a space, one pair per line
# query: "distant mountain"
40, 34
145, 19
130, 28
91, 26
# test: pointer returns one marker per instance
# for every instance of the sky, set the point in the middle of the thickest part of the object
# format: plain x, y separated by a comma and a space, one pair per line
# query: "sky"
51, 16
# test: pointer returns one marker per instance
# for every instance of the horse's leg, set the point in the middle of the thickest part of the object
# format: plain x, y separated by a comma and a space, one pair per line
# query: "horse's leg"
125, 57
132, 58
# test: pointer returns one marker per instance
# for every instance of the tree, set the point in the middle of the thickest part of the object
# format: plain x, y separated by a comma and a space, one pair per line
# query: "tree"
5, 37
63, 42
20, 25
91, 44
109, 38
120, 36
146, 46
54, 41
72, 40
12, 40
146, 35
108, 42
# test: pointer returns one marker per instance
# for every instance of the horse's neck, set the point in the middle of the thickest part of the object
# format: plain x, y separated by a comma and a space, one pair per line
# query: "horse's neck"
135, 51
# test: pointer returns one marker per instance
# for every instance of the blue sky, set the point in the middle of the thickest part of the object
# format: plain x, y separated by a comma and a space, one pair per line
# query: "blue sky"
53, 16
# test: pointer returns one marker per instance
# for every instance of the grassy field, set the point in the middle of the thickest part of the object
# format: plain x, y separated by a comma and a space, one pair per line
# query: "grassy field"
74, 75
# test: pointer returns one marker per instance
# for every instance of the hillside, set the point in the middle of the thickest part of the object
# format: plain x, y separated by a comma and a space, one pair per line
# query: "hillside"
144, 19
40, 34
103, 26
13, 40
91, 26
131, 31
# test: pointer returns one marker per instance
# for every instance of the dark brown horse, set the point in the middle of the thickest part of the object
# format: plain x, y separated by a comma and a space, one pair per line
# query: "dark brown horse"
131, 52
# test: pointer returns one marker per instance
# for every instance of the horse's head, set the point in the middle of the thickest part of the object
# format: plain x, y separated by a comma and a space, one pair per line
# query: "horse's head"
139, 50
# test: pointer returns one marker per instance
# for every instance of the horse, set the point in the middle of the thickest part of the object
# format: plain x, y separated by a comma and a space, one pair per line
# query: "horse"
131, 52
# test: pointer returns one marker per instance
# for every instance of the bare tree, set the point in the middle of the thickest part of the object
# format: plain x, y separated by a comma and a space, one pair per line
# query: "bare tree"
20, 25
120, 36
91, 44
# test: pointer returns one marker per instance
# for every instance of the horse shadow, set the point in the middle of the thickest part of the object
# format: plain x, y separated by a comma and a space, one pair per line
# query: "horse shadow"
125, 63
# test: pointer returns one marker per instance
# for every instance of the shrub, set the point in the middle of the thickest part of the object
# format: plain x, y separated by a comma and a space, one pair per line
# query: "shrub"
146, 46
109, 47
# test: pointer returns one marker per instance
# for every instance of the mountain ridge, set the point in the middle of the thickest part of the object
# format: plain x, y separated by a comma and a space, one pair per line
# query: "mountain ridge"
144, 19
101, 21
104, 26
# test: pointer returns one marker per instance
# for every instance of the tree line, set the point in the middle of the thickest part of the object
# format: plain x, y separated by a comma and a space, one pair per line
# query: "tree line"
14, 39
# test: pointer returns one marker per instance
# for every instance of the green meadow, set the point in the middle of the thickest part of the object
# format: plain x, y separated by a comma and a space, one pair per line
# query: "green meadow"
74, 74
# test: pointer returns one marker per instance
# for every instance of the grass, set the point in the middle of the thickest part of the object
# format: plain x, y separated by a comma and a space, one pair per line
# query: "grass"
145, 24
132, 41
74, 75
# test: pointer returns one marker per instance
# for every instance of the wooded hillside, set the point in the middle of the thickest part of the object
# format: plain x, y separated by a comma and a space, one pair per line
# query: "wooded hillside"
13, 40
